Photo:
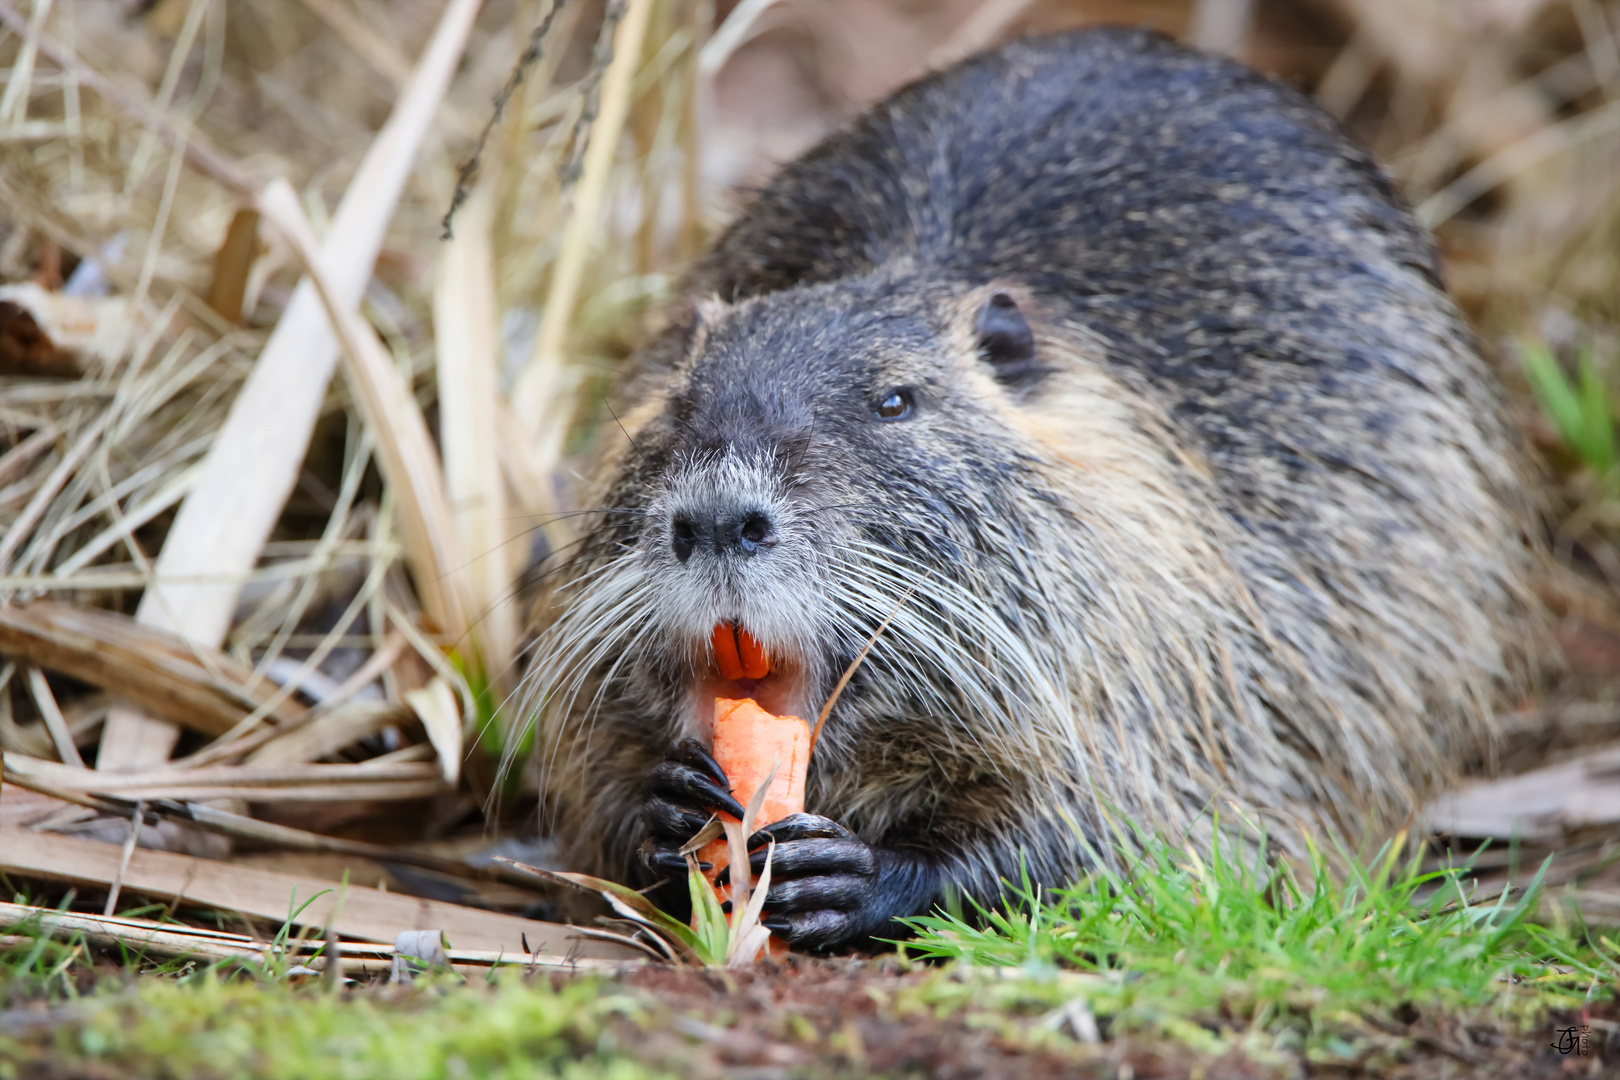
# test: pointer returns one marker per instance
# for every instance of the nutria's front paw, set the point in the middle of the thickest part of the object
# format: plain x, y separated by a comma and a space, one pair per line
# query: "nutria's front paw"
683, 792
829, 888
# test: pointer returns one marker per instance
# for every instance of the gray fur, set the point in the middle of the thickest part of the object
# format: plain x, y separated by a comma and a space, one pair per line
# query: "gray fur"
1255, 534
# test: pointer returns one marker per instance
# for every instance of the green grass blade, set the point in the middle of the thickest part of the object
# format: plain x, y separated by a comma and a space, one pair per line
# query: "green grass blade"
1597, 419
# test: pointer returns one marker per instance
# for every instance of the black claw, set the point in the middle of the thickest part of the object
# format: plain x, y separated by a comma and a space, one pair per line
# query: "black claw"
841, 893
817, 931
814, 931
801, 858
693, 753
656, 856
690, 787
669, 822
800, 827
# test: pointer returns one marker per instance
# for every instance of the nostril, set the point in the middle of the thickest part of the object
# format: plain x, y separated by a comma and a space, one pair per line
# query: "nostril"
754, 532
683, 537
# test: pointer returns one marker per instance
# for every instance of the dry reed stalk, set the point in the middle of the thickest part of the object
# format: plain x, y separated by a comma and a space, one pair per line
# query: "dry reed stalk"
339, 725
127, 435
11, 737
137, 814
253, 463
191, 687
689, 238
410, 464
1513, 161
64, 471
325, 732
290, 605
168, 939
268, 783
404, 618
1222, 26
382, 55
268, 834
233, 263
1440, 54
20, 456
984, 25
352, 911
14, 105
55, 722
199, 154
738, 27
118, 577
163, 101
435, 705
467, 337
538, 398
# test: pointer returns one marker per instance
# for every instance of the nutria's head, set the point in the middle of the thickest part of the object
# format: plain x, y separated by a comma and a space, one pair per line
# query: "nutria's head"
815, 461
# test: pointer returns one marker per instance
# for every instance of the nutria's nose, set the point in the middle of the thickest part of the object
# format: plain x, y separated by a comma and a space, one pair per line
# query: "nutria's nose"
683, 536
748, 535
743, 533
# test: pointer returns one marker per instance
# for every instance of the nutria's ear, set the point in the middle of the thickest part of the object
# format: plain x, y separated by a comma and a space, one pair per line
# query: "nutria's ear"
687, 331
1006, 341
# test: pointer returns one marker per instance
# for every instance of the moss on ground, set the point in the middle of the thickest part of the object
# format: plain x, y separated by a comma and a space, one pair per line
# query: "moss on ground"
811, 1019
1173, 966
205, 1026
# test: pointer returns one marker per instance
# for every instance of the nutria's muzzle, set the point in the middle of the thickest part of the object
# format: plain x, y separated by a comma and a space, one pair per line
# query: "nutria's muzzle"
726, 530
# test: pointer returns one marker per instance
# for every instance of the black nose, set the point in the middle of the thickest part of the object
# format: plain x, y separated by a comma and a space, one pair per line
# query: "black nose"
748, 535
731, 533
683, 536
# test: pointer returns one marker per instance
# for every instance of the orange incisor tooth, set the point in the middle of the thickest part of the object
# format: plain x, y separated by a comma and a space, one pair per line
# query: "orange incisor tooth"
725, 651
755, 664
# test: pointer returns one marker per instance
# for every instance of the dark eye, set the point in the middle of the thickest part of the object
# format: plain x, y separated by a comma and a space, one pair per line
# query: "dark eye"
895, 406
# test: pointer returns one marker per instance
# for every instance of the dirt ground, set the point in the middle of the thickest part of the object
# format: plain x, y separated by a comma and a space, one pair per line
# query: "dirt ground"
812, 1019
831, 1018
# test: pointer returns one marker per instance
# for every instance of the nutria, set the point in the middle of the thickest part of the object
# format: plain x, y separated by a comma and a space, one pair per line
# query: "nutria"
1129, 386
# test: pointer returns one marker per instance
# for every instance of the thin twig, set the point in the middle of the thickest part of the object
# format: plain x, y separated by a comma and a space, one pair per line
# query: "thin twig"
601, 63
51, 714
843, 680
467, 171
135, 817
538, 384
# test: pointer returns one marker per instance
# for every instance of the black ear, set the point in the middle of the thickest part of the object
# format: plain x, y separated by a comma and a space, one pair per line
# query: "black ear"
1007, 342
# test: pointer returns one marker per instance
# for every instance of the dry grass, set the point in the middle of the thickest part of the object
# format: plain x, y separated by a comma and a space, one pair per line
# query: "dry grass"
324, 592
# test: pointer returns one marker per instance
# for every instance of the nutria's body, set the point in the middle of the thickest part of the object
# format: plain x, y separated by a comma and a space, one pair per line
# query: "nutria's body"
1139, 374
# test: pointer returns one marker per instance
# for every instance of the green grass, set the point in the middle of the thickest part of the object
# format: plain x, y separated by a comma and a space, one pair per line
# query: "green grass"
1580, 410
1175, 936
1193, 952
203, 1025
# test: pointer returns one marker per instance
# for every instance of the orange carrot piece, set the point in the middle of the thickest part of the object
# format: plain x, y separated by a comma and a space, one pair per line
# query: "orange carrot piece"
755, 664
725, 652
748, 741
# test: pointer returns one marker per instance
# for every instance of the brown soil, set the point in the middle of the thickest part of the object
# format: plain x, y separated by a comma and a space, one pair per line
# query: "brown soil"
855, 1018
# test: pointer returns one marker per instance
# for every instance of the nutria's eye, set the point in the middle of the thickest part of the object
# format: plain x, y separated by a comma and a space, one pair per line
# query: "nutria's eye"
896, 406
